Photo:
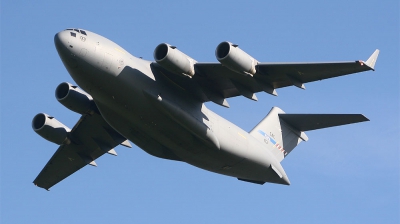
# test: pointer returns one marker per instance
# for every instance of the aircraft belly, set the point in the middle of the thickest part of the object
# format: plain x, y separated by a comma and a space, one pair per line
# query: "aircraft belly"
199, 137
177, 144
161, 136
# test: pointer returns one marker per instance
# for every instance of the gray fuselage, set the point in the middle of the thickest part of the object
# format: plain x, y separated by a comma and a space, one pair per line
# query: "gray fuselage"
142, 104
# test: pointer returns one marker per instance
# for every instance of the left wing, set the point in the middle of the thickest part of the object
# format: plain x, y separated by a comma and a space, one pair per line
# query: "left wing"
216, 82
90, 138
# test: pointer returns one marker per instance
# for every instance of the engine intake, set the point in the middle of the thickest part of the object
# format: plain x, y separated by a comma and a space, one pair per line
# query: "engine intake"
50, 129
234, 58
174, 60
75, 99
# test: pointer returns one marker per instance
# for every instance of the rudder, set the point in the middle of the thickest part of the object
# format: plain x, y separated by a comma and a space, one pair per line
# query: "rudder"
280, 137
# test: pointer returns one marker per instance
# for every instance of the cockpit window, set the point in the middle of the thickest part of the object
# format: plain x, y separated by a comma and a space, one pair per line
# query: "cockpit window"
77, 30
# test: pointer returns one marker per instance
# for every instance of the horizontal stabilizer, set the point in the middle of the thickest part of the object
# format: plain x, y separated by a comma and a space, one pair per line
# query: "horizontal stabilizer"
281, 132
308, 122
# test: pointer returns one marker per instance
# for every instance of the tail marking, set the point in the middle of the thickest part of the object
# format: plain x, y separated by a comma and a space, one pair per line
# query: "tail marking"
268, 138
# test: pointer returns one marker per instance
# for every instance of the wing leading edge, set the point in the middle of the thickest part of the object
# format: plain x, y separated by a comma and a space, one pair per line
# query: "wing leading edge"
90, 138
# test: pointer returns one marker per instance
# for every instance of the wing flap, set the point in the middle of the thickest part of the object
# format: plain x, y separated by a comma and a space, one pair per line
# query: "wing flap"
90, 138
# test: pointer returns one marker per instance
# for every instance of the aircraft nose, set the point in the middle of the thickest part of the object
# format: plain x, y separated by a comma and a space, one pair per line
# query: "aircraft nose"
61, 41
65, 48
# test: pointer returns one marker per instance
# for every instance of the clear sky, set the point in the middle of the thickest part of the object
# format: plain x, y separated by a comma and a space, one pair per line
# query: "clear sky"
347, 174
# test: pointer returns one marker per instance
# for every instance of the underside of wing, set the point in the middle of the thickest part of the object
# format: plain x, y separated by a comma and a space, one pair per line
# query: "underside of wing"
215, 82
89, 139
288, 74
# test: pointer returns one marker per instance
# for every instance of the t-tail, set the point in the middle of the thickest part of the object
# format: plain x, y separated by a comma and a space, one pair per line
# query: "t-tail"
282, 132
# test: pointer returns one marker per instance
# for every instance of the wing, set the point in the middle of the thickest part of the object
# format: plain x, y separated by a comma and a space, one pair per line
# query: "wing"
215, 82
90, 138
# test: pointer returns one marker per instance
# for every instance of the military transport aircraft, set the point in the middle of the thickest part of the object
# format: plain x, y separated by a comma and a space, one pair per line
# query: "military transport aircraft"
159, 106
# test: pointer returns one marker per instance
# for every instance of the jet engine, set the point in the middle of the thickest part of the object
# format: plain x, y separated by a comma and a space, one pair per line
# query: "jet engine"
234, 58
174, 60
75, 99
50, 129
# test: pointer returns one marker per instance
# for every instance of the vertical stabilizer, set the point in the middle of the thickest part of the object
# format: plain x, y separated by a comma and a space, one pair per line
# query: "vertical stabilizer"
279, 137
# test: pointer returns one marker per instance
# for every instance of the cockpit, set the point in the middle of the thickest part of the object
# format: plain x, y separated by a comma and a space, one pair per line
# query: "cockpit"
77, 30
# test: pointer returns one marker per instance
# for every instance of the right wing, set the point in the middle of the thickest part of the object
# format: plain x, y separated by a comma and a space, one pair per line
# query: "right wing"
90, 138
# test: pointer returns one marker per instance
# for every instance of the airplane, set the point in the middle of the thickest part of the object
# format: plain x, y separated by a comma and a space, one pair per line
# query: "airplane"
160, 107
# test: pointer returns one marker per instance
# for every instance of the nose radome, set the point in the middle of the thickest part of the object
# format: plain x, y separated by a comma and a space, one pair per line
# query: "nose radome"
57, 40
65, 48
61, 40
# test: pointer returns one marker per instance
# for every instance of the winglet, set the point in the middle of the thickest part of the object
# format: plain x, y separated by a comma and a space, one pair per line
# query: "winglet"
372, 59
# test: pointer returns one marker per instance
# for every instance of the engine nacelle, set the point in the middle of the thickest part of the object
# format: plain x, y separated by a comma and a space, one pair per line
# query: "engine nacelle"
174, 60
51, 129
234, 58
75, 99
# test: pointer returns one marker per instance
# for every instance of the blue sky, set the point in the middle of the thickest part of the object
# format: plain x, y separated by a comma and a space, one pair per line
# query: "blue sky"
347, 174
